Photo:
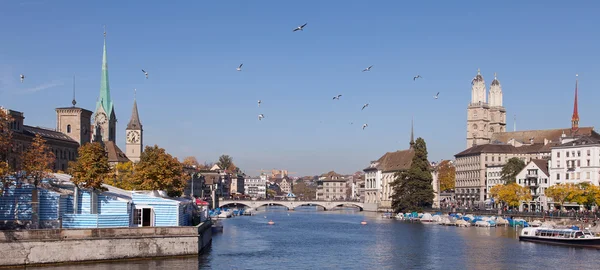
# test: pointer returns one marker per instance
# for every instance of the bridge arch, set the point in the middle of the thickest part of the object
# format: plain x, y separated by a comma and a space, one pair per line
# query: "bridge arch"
270, 203
246, 204
300, 203
360, 207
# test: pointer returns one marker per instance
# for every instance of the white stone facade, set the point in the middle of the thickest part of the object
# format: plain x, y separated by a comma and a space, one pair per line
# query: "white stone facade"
535, 176
576, 162
493, 176
256, 187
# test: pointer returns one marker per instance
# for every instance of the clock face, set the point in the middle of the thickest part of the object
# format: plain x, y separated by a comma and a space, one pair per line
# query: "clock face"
133, 136
101, 118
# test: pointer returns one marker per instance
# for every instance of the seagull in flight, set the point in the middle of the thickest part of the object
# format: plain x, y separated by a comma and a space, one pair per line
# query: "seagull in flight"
145, 73
301, 28
368, 69
240, 67
436, 95
417, 77
364, 106
337, 97
261, 116
364, 126
22, 78
259, 102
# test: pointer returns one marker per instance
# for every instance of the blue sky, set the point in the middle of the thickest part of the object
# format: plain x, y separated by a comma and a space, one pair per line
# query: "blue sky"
196, 103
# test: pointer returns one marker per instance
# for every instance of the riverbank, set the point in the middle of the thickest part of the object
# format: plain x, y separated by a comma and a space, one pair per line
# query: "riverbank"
59, 246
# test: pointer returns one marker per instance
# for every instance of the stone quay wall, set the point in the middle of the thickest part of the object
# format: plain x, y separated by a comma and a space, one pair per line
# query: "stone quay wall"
55, 246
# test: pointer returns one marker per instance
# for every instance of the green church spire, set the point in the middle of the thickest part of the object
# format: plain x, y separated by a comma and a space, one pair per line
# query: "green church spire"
105, 100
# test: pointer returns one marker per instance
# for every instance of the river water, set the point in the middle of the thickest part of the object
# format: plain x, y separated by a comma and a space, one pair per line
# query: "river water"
310, 239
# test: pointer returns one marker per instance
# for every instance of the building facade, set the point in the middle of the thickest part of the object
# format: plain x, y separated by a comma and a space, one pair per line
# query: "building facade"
576, 161
331, 187
536, 177
493, 176
484, 117
256, 187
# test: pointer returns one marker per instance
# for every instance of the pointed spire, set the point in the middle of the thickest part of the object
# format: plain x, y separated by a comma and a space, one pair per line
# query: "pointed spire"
412, 133
515, 123
478, 71
74, 102
105, 100
134, 122
575, 118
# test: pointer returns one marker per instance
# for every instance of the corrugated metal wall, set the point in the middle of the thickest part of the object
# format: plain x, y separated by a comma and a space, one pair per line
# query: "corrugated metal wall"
165, 210
112, 212
15, 204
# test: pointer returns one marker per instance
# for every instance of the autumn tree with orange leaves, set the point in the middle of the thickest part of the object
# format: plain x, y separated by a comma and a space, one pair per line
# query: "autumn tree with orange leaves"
446, 175
37, 161
158, 170
5, 145
91, 168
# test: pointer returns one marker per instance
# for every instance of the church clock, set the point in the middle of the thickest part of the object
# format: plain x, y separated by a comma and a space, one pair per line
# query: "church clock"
101, 118
133, 136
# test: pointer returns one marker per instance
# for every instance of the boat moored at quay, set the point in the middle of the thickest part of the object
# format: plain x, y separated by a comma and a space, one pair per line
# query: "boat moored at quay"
569, 237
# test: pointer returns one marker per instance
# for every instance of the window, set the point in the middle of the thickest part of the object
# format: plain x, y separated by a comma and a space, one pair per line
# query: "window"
579, 163
137, 216
500, 159
578, 176
68, 128
567, 154
485, 158
492, 159
557, 154
578, 153
587, 175
588, 162
589, 153
566, 176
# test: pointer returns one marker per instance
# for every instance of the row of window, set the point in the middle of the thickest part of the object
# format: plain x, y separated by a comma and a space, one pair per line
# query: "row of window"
573, 176
571, 163
572, 153
468, 190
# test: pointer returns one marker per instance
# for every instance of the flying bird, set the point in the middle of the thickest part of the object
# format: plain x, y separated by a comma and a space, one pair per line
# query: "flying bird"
22, 78
145, 73
259, 102
337, 97
364, 106
261, 116
368, 69
436, 95
364, 126
417, 77
301, 28
240, 67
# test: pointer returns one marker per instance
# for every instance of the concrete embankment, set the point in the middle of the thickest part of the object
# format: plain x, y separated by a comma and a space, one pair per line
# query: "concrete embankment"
38, 247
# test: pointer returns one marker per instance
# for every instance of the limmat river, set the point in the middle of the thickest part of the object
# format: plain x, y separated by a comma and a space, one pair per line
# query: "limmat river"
310, 239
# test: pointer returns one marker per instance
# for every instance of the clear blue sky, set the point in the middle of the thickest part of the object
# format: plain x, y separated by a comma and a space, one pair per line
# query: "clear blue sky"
196, 103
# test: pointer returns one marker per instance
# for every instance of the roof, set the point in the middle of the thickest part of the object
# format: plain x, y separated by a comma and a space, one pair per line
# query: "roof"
134, 122
507, 149
478, 77
396, 161
581, 141
114, 152
542, 164
332, 175
210, 178
46, 133
104, 100
74, 108
538, 136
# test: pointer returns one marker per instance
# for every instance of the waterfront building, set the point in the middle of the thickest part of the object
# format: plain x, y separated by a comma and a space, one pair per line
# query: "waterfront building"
576, 161
535, 176
331, 187
286, 185
256, 187
490, 145
64, 146
237, 184
493, 176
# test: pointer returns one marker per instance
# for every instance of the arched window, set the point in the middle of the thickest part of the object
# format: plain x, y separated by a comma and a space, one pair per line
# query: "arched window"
68, 128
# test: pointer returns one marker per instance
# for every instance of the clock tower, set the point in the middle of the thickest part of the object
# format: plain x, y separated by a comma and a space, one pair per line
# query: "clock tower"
134, 135
105, 120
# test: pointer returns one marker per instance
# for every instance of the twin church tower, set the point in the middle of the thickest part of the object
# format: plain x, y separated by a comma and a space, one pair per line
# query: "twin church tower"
485, 116
102, 127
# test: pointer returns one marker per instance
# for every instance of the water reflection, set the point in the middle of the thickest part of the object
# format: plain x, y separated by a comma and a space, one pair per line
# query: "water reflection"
306, 239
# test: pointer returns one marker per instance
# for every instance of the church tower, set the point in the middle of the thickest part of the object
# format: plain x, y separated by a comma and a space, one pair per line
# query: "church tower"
575, 117
134, 135
478, 113
497, 111
74, 121
105, 120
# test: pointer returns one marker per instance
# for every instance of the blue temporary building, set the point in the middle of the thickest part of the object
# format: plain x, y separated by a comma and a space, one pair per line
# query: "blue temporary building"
16, 206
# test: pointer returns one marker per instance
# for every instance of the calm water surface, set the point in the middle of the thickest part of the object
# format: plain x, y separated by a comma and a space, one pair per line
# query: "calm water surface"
307, 239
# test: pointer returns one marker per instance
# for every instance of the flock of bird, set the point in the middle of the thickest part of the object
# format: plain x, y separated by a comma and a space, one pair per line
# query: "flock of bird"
261, 116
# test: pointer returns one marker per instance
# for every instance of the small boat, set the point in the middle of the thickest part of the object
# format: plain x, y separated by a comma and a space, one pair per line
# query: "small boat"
363, 223
225, 214
569, 237
270, 222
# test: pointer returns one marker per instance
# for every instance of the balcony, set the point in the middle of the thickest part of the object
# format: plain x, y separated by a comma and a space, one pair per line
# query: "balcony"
531, 175
531, 184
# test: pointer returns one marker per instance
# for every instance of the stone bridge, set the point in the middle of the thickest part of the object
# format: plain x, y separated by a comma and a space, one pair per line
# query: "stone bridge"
290, 205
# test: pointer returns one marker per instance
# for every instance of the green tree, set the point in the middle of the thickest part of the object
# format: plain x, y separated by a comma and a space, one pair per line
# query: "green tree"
446, 175
510, 170
271, 193
158, 170
412, 188
226, 163
91, 169
37, 161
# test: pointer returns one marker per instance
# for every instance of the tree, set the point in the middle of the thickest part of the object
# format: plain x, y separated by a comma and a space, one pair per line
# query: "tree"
510, 194
91, 169
412, 188
510, 170
5, 146
587, 195
123, 176
446, 175
271, 193
562, 193
191, 162
158, 170
37, 160
226, 162
303, 191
